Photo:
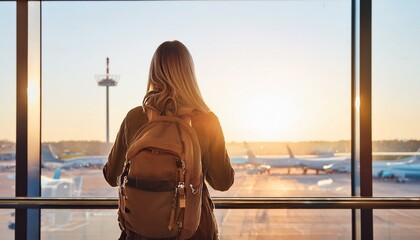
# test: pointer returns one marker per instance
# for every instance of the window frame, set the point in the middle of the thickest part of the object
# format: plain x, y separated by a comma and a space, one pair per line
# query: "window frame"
361, 143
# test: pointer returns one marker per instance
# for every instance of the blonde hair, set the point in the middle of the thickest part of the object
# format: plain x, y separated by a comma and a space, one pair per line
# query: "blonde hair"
172, 85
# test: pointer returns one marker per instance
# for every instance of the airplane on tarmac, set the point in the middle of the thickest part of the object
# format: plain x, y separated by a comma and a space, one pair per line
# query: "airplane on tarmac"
7, 160
261, 165
401, 170
49, 160
7, 156
57, 186
264, 164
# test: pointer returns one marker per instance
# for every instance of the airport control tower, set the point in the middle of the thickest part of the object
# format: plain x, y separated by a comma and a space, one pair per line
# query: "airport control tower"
107, 81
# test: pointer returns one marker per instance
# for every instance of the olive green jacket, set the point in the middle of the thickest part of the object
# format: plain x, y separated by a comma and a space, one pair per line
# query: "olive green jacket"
217, 170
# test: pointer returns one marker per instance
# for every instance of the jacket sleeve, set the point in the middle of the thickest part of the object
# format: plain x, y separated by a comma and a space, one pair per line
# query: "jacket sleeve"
220, 174
113, 168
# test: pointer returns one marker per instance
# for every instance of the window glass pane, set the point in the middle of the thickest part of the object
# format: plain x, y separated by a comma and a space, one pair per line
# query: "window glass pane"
8, 114
8, 110
7, 98
233, 224
67, 224
284, 224
7, 224
277, 74
396, 224
396, 110
396, 106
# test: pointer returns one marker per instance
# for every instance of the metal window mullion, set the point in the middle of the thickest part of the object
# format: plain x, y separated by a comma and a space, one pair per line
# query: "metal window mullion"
21, 115
366, 115
353, 96
366, 98
227, 203
27, 112
362, 219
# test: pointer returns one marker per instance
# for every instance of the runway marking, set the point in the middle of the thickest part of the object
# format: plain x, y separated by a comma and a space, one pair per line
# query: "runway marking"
228, 212
6, 212
105, 213
407, 215
66, 228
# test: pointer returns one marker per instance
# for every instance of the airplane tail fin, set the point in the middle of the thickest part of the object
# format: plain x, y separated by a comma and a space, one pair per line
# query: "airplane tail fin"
417, 158
250, 153
47, 154
291, 155
57, 173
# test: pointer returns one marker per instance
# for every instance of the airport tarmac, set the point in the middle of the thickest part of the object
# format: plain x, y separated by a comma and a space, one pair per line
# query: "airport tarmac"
249, 224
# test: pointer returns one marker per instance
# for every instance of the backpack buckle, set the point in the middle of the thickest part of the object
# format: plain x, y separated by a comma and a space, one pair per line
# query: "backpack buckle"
181, 191
125, 181
194, 191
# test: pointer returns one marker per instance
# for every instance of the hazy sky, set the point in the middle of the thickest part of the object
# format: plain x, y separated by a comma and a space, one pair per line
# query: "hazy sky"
271, 71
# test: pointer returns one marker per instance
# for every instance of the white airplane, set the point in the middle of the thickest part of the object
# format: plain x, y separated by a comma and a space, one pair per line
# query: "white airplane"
56, 186
49, 160
7, 156
321, 163
7, 160
61, 187
264, 164
313, 163
401, 170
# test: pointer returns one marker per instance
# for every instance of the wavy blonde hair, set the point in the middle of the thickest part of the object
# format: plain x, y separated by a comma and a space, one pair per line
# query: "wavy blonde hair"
172, 87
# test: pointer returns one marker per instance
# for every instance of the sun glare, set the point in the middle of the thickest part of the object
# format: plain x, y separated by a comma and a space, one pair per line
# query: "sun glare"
33, 91
357, 104
270, 118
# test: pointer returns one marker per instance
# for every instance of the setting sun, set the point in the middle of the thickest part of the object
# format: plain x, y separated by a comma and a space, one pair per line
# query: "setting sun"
270, 117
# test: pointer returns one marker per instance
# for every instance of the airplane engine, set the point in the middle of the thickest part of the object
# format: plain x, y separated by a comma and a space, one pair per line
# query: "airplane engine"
386, 174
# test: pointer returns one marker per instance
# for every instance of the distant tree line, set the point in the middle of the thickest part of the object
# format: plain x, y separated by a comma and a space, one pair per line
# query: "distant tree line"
238, 148
89, 148
319, 147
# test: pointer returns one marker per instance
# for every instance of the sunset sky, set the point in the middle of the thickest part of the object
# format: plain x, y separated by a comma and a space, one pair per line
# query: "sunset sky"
271, 71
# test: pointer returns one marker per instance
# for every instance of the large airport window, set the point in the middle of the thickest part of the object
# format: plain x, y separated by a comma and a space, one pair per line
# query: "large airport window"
395, 113
8, 113
276, 73
395, 74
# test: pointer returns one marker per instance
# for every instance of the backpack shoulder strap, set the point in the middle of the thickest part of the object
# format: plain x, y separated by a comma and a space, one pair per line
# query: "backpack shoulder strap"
151, 113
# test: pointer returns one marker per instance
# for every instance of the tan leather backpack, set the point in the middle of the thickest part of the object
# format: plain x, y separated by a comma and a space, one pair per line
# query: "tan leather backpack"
160, 191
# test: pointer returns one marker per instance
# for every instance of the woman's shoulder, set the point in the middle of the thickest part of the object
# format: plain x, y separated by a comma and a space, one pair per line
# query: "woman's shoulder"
207, 121
204, 117
136, 114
